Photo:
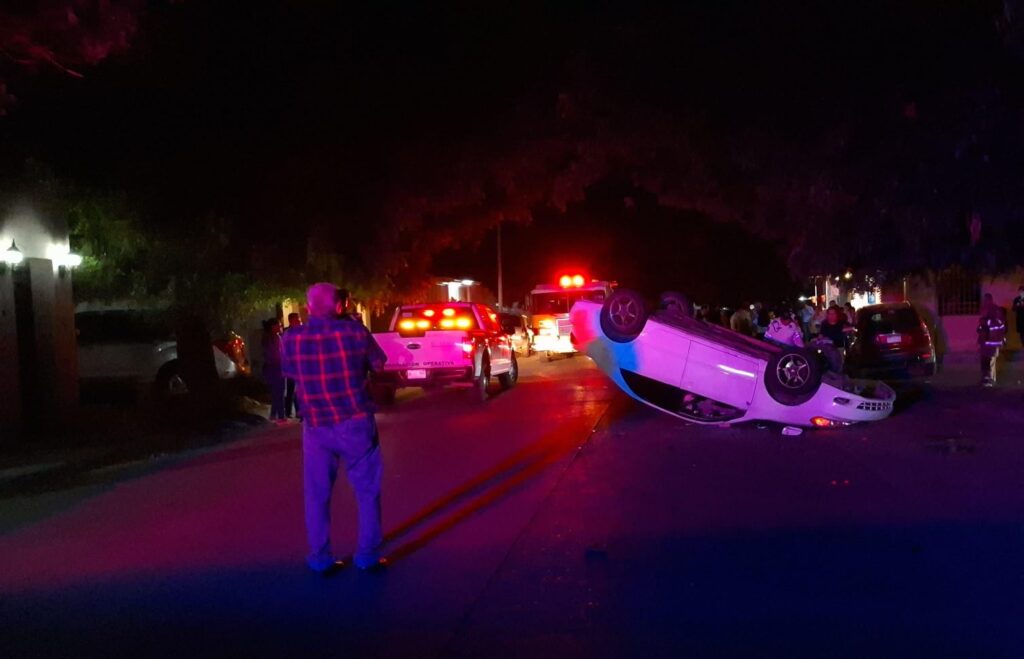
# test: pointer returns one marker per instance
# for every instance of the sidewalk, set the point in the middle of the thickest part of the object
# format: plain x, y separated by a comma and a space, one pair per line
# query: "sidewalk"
75, 457
960, 369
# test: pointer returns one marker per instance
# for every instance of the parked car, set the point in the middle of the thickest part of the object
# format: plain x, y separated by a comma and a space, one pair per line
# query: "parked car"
892, 341
517, 326
705, 373
456, 343
137, 347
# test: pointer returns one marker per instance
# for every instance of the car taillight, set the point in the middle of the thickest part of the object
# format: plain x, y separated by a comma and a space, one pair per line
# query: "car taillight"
467, 346
821, 422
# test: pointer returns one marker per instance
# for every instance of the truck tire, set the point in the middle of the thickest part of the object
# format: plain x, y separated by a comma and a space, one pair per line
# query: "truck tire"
384, 394
483, 380
169, 381
793, 375
508, 380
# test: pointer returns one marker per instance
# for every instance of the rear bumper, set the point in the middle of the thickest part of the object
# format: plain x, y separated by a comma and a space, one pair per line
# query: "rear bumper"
399, 378
896, 366
549, 343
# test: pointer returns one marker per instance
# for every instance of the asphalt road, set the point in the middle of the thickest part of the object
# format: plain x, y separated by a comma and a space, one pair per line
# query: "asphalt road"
557, 519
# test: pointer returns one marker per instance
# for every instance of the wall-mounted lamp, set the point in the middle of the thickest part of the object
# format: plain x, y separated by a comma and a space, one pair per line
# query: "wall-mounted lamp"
67, 260
62, 258
12, 256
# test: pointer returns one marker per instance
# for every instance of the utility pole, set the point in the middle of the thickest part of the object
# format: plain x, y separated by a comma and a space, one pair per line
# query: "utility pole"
500, 283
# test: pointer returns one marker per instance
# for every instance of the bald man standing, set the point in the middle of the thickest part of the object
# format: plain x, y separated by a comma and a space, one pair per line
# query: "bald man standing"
330, 358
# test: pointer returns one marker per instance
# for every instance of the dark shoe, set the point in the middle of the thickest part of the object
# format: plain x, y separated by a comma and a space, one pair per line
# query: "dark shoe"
331, 569
377, 566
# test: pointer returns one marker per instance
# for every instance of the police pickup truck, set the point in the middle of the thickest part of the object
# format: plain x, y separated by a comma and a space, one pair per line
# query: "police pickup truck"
453, 343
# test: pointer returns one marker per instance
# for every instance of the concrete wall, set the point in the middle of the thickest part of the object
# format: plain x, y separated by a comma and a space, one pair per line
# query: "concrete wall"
38, 346
10, 387
959, 333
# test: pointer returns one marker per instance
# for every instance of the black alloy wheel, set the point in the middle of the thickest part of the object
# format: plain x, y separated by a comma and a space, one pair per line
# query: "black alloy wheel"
793, 375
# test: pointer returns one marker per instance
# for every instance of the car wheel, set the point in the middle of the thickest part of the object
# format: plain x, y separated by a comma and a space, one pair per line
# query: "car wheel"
170, 383
509, 379
484, 379
385, 394
673, 301
793, 375
623, 316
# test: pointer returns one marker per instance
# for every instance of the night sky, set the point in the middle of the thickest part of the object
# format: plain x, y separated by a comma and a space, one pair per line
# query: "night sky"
287, 115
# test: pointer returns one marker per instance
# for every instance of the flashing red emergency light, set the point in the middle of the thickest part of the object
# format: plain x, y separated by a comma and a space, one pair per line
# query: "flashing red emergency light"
571, 281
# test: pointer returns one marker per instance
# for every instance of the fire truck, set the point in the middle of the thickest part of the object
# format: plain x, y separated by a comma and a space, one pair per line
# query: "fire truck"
549, 311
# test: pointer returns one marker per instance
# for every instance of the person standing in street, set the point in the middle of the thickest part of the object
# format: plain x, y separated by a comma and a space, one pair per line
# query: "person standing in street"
330, 358
784, 329
1018, 312
741, 322
806, 318
291, 403
851, 313
991, 336
272, 376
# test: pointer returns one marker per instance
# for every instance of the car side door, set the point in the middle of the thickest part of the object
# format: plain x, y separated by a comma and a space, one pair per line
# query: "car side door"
499, 344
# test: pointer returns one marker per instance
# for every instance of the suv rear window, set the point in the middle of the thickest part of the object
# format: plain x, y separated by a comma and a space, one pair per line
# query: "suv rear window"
419, 319
889, 320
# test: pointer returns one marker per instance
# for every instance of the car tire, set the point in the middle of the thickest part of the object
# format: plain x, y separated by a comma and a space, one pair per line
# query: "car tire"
508, 379
170, 383
385, 394
623, 316
793, 375
483, 381
673, 301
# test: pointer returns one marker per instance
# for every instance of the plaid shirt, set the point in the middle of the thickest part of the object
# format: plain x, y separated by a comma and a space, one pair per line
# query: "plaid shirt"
329, 360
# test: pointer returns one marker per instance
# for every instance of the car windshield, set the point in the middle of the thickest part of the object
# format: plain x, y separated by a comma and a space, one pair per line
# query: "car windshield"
510, 322
559, 303
889, 320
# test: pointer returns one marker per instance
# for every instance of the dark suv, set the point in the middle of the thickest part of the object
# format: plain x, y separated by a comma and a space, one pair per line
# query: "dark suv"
892, 341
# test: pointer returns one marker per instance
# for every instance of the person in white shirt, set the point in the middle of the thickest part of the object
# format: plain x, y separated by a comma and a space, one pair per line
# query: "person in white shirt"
785, 330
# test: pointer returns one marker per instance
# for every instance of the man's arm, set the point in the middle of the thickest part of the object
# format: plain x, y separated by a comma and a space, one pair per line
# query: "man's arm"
375, 355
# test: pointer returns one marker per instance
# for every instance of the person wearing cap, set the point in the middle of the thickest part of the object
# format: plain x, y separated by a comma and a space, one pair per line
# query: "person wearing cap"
330, 359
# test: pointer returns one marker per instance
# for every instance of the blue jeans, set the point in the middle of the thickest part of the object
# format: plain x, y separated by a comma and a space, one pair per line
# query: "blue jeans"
353, 443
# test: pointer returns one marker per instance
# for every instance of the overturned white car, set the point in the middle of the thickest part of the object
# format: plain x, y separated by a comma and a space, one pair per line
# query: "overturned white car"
705, 373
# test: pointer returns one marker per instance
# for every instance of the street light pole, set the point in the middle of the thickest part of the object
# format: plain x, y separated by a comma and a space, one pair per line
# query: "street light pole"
500, 283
